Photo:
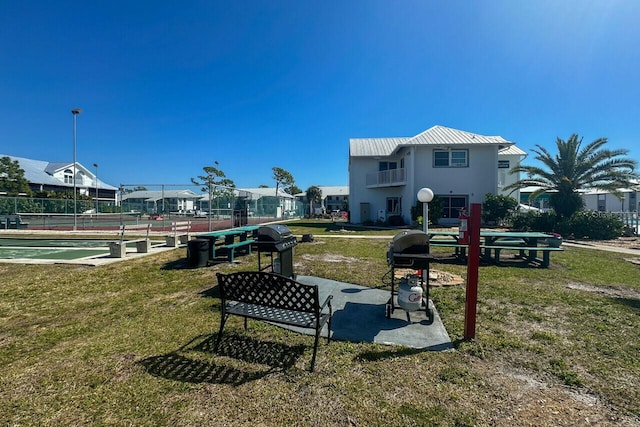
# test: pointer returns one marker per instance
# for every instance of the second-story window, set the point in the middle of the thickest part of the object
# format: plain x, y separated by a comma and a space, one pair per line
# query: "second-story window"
450, 158
385, 166
68, 176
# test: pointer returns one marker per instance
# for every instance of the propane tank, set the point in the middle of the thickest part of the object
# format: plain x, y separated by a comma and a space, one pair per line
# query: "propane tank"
410, 293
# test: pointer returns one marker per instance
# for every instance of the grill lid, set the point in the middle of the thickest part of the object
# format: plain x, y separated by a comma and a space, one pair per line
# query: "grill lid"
273, 233
410, 242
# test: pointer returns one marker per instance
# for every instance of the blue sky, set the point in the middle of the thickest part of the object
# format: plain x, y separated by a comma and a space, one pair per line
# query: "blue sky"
168, 87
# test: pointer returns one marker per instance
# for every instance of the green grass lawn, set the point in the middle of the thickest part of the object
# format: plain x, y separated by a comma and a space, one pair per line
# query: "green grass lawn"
131, 344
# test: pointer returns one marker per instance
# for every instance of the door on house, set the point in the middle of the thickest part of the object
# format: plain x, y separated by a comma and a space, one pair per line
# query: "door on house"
365, 212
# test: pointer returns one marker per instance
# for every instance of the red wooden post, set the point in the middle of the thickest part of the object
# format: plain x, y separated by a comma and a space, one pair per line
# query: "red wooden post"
473, 262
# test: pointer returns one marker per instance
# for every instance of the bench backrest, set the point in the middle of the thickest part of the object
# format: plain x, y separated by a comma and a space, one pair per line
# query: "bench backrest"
269, 289
178, 226
124, 228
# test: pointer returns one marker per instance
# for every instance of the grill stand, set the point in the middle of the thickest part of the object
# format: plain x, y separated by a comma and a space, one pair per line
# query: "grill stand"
416, 262
285, 258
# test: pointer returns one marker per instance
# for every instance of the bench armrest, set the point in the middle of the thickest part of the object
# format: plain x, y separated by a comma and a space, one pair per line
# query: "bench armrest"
326, 302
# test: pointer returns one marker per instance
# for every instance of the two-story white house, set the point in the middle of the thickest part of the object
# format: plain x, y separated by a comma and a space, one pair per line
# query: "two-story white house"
385, 174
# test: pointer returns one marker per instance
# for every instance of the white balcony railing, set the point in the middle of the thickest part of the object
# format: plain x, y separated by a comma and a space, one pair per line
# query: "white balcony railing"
388, 178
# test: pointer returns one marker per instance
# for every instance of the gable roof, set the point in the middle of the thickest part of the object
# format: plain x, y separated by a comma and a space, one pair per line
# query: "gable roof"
339, 190
436, 135
41, 172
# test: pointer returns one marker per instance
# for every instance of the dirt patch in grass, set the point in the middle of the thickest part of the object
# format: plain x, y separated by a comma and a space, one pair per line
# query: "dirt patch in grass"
611, 291
336, 258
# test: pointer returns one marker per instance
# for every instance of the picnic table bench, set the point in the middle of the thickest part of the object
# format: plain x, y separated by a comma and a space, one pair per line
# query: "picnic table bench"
129, 233
275, 299
493, 243
228, 242
180, 233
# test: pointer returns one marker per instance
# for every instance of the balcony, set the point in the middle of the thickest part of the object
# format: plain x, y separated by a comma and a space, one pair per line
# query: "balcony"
388, 178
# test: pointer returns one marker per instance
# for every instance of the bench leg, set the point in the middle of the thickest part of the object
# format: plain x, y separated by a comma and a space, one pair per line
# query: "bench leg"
545, 258
143, 247
223, 320
315, 350
117, 250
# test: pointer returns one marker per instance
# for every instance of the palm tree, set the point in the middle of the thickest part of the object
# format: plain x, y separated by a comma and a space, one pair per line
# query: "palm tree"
314, 195
574, 168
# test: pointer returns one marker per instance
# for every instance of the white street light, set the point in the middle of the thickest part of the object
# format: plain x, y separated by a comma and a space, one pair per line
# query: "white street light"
75, 112
425, 195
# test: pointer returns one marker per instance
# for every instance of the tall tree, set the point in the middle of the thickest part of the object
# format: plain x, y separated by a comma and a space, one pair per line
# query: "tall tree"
314, 195
576, 168
215, 183
282, 177
12, 179
293, 190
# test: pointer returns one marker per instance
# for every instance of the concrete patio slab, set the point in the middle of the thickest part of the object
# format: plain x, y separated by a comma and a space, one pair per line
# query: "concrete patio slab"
359, 316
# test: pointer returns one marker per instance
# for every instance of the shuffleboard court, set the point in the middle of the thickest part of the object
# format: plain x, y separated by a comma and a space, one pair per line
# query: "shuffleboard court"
12, 248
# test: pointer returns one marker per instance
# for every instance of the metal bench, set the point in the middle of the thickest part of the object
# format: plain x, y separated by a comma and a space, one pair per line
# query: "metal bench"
180, 233
276, 299
118, 249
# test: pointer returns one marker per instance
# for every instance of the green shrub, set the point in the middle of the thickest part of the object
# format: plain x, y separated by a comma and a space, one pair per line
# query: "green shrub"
496, 208
534, 221
592, 225
581, 225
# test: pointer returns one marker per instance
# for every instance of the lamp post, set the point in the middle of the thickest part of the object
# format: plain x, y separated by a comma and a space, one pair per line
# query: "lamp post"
75, 112
95, 165
425, 195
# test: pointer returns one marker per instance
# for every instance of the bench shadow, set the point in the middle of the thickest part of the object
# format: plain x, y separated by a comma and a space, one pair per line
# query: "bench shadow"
179, 366
179, 264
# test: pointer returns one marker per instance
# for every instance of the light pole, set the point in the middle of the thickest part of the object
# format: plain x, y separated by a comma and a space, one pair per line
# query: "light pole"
95, 165
210, 183
425, 195
75, 112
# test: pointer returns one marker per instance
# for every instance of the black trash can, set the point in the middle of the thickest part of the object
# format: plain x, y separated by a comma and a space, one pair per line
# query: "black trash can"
198, 252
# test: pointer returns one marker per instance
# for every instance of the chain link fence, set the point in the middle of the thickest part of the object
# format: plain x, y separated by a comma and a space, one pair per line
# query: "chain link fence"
159, 204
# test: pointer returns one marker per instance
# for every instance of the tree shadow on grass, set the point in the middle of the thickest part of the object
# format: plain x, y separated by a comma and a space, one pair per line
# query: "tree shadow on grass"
188, 365
628, 302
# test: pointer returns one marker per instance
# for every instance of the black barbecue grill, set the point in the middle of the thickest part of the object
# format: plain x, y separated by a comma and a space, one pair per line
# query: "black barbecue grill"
410, 249
276, 238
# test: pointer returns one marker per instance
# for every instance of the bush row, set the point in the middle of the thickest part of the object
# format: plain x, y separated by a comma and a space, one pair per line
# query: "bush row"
581, 225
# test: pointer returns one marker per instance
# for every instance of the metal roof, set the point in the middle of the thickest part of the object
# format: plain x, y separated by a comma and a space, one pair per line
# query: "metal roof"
365, 147
40, 172
340, 190
441, 135
437, 136
511, 150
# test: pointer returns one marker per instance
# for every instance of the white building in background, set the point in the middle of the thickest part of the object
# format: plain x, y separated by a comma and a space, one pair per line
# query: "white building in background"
161, 201
509, 157
334, 198
602, 201
59, 176
460, 167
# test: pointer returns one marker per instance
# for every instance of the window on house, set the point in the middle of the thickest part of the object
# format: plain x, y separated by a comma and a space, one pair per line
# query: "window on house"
503, 164
386, 166
450, 158
393, 205
68, 176
453, 205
